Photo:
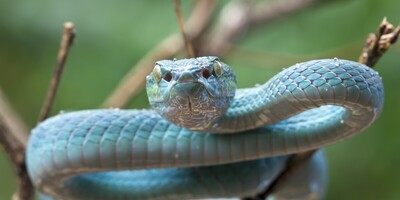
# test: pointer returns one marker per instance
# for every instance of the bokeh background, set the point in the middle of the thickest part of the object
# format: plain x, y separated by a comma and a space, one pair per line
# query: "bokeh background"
112, 37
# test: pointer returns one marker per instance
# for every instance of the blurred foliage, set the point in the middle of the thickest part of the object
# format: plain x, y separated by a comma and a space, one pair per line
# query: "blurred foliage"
112, 37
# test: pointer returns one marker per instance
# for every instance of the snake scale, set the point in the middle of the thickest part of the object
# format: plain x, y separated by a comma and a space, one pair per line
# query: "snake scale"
204, 139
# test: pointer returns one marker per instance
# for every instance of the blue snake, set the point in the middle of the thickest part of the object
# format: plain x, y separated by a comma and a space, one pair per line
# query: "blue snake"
204, 138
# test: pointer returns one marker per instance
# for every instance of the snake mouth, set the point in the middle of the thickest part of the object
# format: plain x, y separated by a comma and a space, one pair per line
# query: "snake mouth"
190, 104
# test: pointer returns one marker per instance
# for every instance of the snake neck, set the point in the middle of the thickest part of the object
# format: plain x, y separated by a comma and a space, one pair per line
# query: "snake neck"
303, 87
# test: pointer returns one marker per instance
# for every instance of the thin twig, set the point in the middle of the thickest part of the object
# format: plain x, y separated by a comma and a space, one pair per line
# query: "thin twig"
13, 136
232, 21
265, 12
13, 139
179, 15
133, 83
374, 50
15, 149
294, 163
239, 16
66, 43
14, 122
376, 44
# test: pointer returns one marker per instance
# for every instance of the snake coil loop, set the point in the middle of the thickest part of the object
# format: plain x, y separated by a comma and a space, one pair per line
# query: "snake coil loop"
138, 154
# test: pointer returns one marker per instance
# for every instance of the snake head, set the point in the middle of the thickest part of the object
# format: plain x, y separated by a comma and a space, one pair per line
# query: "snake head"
191, 93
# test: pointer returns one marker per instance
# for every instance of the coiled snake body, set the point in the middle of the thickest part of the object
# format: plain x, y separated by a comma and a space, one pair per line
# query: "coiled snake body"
232, 144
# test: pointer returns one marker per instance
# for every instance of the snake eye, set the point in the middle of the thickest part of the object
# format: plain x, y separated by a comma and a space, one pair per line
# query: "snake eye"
217, 68
168, 77
206, 73
157, 73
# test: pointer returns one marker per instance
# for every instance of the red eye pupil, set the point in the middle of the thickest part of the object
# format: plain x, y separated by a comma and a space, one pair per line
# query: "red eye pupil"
206, 73
168, 77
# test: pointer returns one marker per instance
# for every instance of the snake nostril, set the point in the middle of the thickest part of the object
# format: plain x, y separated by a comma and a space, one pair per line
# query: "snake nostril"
206, 73
168, 77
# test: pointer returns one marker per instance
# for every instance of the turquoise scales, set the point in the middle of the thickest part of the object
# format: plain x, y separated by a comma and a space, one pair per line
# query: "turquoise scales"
137, 154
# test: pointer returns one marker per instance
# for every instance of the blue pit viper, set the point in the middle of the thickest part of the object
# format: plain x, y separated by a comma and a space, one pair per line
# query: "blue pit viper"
204, 138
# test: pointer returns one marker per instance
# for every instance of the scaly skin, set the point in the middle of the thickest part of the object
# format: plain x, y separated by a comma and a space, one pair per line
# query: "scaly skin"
304, 107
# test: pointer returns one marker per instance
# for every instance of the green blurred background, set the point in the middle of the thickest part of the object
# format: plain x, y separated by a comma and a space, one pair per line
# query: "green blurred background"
112, 37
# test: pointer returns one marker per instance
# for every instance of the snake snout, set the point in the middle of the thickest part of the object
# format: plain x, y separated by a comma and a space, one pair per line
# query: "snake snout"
186, 77
188, 89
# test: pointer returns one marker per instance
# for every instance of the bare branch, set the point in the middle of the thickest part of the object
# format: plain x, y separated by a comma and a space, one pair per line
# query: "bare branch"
13, 121
179, 15
294, 163
376, 44
14, 144
66, 43
233, 20
266, 12
13, 136
170, 46
134, 82
238, 16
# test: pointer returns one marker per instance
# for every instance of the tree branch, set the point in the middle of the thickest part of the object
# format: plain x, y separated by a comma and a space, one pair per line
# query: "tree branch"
13, 121
188, 43
294, 163
13, 139
376, 45
239, 16
66, 43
